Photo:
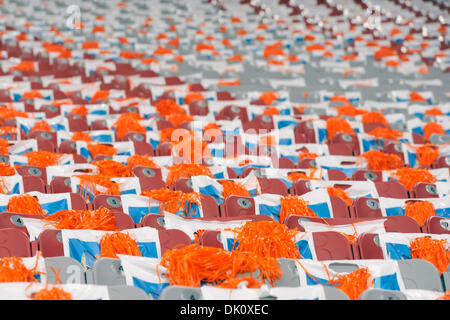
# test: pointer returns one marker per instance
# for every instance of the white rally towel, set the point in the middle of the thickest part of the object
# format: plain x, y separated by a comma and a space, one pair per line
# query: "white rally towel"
50, 203
191, 226
386, 273
396, 246
144, 273
84, 245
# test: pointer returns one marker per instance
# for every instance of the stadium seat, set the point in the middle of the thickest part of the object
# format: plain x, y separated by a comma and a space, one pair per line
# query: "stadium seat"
14, 242
436, 225
65, 269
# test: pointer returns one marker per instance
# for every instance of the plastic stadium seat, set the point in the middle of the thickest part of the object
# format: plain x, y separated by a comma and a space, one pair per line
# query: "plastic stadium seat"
210, 207
394, 148
284, 163
300, 187
127, 293
148, 183
99, 125
36, 171
382, 294
46, 145
172, 238
163, 149
143, 148
235, 206
122, 220
304, 132
436, 225
420, 274
441, 162
351, 140
13, 220
147, 172
183, 184
60, 185
44, 135
77, 202
32, 183
363, 175
65, 269
260, 122
14, 242
107, 272
366, 207
231, 112
424, 190
67, 147
307, 163
274, 186
50, 243
391, 189
336, 175
77, 123
153, 221
199, 108
368, 247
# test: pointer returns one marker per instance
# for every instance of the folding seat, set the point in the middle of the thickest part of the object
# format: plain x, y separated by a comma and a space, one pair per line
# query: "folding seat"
78, 158
14, 242
391, 189
224, 96
143, 148
107, 272
362, 175
274, 186
134, 136
306, 163
50, 111
66, 269
197, 87
304, 132
284, 163
365, 207
351, 140
328, 245
199, 108
340, 149
394, 148
231, 112
436, 225
336, 175
382, 294
441, 162
32, 183
260, 122
126, 293
235, 206
46, 145
147, 172
163, 149
368, 245
44, 135
153, 221
424, 190
13, 220
67, 147
35, 171
183, 184
77, 123
99, 125
173, 81
151, 183
122, 220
